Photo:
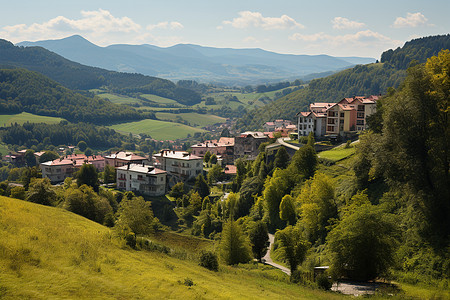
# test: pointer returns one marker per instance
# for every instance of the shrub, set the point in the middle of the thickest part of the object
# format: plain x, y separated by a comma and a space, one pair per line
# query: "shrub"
130, 239
209, 261
323, 282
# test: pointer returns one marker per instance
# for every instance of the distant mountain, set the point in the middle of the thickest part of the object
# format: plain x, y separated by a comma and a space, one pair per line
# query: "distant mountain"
205, 64
361, 80
80, 77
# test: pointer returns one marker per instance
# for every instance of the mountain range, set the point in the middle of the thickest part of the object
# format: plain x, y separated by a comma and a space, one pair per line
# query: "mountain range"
194, 62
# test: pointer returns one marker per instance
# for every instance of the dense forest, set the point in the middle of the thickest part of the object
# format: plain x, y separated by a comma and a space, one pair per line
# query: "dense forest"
79, 77
362, 80
23, 90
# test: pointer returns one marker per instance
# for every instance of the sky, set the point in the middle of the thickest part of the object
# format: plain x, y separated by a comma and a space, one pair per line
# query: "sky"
337, 28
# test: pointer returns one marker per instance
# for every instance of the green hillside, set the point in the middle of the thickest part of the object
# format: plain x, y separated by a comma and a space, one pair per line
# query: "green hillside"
194, 119
50, 253
362, 80
6, 120
158, 130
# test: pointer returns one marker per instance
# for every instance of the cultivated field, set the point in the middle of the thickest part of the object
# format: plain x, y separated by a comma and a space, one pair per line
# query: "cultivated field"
194, 119
6, 120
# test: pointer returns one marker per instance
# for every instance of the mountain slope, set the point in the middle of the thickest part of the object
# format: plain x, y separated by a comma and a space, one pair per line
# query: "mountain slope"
80, 77
187, 61
48, 252
361, 80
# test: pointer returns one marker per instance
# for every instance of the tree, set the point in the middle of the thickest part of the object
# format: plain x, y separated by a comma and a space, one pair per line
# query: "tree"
88, 175
136, 214
234, 247
82, 145
40, 191
18, 192
251, 188
109, 174
304, 162
213, 159
201, 187
259, 238
48, 156
214, 174
28, 173
287, 210
274, 190
281, 158
207, 157
363, 244
88, 152
311, 140
318, 206
292, 246
29, 158
177, 190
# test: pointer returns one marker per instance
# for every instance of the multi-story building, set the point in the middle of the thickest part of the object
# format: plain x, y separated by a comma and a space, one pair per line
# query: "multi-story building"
57, 170
223, 148
141, 178
333, 119
247, 144
180, 165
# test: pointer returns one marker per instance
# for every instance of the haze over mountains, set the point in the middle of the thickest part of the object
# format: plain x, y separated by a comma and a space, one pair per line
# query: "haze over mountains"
204, 64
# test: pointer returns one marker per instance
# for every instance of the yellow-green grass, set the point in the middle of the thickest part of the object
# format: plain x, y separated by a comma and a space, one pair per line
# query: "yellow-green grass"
119, 99
160, 100
6, 120
49, 253
337, 153
158, 130
4, 149
193, 118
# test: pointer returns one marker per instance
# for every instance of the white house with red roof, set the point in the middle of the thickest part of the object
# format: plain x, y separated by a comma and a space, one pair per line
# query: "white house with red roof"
122, 158
142, 178
180, 165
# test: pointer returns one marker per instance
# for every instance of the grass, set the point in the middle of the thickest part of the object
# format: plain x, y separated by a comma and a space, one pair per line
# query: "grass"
337, 153
160, 100
6, 120
119, 99
158, 130
4, 149
50, 253
193, 118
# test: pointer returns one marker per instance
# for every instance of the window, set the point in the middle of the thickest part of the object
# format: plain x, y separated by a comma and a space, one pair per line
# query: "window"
359, 122
330, 128
342, 114
360, 107
330, 121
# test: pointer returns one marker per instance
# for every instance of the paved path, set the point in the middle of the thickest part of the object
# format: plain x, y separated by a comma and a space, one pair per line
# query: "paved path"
269, 261
282, 142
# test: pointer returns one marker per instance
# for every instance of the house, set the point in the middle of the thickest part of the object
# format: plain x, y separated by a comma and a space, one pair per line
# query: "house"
122, 158
247, 144
58, 169
269, 127
141, 178
223, 148
179, 165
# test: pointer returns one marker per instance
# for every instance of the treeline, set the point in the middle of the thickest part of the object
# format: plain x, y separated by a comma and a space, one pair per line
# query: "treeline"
80, 77
362, 80
22, 90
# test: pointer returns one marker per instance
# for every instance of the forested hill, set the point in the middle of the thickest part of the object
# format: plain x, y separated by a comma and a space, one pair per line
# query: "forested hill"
80, 77
362, 80
23, 90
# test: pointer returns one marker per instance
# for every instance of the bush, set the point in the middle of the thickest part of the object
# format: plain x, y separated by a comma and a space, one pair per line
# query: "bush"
209, 261
323, 282
130, 239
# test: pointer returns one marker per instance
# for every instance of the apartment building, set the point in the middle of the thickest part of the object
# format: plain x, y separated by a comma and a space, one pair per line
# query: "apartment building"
141, 178
179, 165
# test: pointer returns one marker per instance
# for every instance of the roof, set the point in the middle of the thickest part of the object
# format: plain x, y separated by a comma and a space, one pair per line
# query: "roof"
304, 113
177, 155
254, 134
269, 123
346, 107
58, 162
144, 169
128, 156
228, 141
230, 169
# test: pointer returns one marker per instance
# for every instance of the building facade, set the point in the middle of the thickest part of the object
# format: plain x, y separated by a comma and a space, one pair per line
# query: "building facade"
179, 165
247, 144
141, 178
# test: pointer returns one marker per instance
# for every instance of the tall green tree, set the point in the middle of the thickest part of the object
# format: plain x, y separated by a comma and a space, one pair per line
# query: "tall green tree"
136, 214
88, 175
201, 187
207, 157
292, 246
234, 247
281, 158
48, 156
304, 162
363, 244
259, 238
41, 192
287, 210
30, 159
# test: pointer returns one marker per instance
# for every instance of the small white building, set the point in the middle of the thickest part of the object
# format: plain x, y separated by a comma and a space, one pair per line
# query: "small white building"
141, 178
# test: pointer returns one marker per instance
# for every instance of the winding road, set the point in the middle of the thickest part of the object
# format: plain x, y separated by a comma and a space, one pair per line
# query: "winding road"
269, 261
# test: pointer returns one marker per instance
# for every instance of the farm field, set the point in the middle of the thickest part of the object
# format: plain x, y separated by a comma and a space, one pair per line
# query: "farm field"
158, 130
119, 99
6, 120
160, 100
193, 118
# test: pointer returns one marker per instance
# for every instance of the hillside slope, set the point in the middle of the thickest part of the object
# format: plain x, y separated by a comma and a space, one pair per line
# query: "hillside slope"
80, 77
47, 252
362, 80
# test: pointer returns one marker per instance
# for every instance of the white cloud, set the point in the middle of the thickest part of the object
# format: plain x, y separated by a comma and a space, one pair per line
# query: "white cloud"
166, 25
411, 20
98, 26
344, 23
255, 19
251, 39
367, 40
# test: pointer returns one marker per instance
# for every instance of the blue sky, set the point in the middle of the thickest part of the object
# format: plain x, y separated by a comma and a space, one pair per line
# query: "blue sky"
338, 28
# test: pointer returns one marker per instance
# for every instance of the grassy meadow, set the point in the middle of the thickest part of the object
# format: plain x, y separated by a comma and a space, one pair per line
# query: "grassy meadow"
50, 253
195, 119
337, 153
6, 120
158, 130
